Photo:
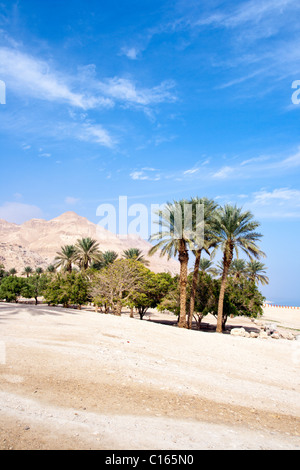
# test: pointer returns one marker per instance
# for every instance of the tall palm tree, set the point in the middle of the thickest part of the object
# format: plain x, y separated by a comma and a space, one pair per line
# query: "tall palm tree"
175, 238
39, 271
204, 242
65, 258
234, 230
257, 272
238, 268
86, 252
13, 271
136, 254
27, 271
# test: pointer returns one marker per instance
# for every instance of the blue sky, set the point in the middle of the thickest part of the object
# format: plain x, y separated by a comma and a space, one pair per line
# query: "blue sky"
154, 100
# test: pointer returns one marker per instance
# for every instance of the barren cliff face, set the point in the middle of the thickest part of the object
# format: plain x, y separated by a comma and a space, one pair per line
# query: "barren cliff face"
36, 242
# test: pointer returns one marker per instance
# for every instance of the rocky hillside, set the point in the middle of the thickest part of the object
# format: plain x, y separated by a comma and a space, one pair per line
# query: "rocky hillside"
36, 242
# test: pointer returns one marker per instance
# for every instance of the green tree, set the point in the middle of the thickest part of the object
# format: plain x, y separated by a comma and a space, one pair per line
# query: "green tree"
35, 286
238, 268
10, 288
116, 285
67, 288
256, 272
65, 258
13, 272
135, 254
51, 269
152, 289
27, 271
108, 258
87, 252
205, 242
234, 230
174, 238
206, 266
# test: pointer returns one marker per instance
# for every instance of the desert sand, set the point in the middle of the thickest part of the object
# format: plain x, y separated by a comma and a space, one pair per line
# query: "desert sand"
73, 379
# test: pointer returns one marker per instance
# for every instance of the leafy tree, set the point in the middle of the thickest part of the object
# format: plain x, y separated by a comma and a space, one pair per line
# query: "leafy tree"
116, 285
205, 243
242, 299
67, 288
234, 230
175, 238
34, 287
207, 295
3, 273
153, 287
10, 288
65, 258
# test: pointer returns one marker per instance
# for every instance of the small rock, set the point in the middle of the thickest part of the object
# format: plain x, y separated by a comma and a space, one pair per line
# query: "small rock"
253, 334
263, 335
275, 335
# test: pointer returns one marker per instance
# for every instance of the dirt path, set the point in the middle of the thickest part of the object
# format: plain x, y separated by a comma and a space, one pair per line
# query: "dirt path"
80, 380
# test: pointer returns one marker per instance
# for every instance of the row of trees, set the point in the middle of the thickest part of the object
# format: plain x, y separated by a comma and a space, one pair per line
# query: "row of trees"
117, 282
128, 283
228, 228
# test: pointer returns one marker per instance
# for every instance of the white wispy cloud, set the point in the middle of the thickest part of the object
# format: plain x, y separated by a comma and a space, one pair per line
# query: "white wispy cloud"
35, 78
130, 52
97, 134
71, 201
145, 175
127, 91
224, 172
277, 203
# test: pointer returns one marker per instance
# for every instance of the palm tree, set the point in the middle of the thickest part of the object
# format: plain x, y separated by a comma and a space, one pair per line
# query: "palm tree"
206, 266
257, 272
238, 268
108, 257
234, 230
27, 271
136, 254
13, 272
86, 252
65, 258
204, 243
51, 268
39, 271
174, 238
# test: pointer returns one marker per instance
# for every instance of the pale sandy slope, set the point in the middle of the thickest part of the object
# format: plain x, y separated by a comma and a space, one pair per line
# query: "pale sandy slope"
81, 380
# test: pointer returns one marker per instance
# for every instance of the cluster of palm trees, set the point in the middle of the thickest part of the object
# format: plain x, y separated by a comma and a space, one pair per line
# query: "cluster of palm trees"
228, 228
86, 253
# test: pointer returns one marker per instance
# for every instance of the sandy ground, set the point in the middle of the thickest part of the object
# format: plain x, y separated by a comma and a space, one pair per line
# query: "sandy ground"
73, 379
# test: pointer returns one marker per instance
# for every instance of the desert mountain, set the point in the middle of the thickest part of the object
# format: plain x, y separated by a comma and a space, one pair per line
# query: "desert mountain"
36, 242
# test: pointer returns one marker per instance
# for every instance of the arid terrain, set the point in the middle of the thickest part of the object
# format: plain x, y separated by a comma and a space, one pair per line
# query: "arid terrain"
36, 242
75, 379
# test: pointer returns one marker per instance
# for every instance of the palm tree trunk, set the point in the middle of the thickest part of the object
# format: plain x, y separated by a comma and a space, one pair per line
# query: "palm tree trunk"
194, 287
183, 259
227, 262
